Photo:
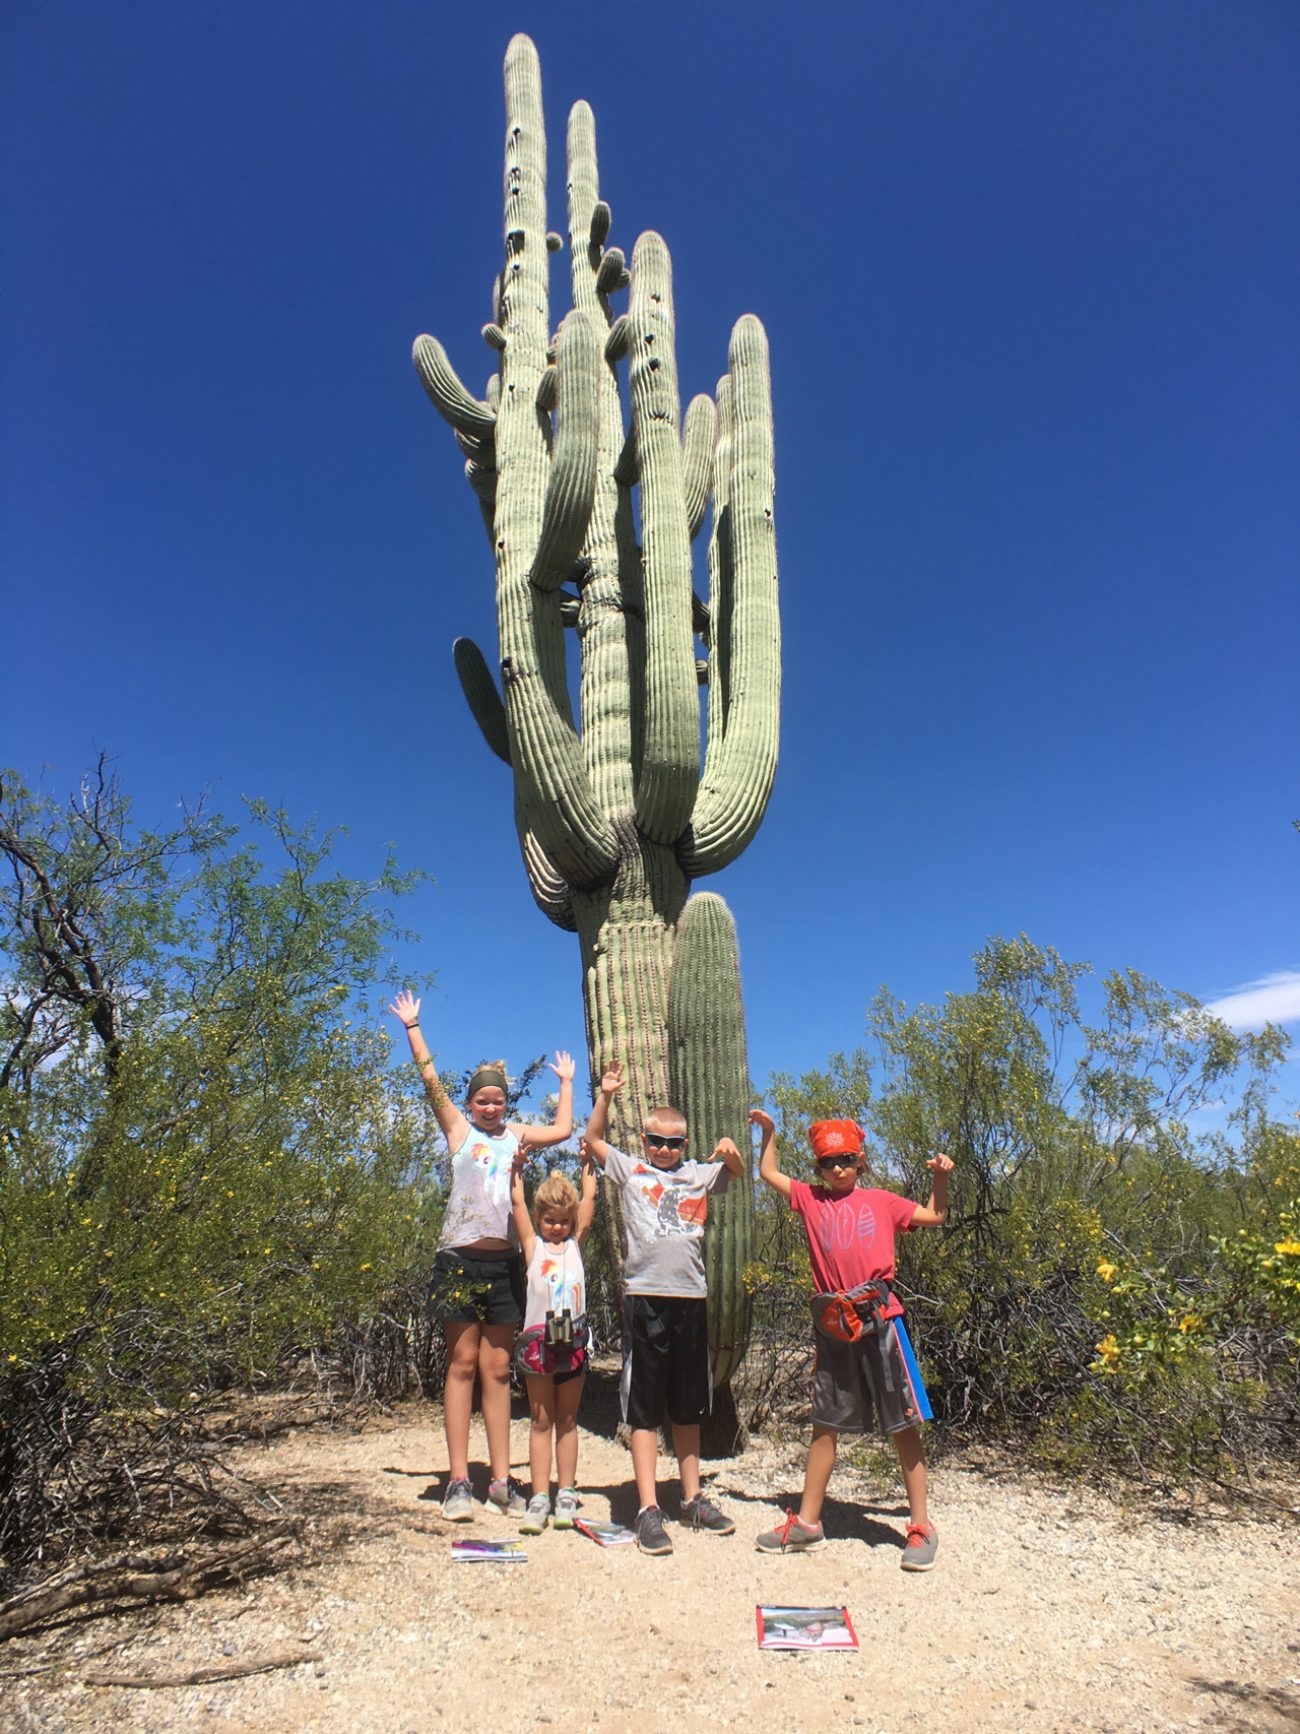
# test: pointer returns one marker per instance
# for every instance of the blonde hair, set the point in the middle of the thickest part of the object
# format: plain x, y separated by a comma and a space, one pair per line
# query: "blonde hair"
559, 1195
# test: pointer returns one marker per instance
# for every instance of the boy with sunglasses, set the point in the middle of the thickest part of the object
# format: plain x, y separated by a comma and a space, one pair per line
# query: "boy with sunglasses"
863, 1361
666, 1365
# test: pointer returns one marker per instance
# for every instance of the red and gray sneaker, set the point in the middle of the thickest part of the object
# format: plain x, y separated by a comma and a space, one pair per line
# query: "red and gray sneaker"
920, 1547
791, 1537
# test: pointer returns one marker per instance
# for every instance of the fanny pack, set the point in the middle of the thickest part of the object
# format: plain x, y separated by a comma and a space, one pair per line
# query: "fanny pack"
535, 1355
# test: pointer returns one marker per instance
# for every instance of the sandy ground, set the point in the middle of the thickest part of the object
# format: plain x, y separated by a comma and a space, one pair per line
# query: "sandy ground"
1049, 1609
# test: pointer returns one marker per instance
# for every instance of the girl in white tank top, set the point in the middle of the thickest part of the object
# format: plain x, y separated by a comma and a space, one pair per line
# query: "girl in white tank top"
552, 1351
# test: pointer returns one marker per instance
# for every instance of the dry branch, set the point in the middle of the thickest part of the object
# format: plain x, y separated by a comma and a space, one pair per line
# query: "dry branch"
202, 1676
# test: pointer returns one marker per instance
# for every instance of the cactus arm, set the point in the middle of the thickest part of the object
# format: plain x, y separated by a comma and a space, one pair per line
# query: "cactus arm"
557, 803
450, 398
740, 767
571, 487
609, 719
699, 436
549, 888
481, 695
709, 1081
670, 765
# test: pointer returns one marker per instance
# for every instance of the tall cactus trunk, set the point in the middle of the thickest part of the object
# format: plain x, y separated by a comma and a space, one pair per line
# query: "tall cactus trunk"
617, 818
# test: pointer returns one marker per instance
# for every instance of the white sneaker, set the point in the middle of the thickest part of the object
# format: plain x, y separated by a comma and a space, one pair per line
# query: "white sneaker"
535, 1518
566, 1507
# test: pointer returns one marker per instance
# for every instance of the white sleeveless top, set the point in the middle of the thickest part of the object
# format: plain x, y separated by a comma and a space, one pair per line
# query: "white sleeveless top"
479, 1206
556, 1280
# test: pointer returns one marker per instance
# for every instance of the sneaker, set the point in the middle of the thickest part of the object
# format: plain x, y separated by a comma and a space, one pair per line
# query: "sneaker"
920, 1547
791, 1537
508, 1497
702, 1513
651, 1536
566, 1507
458, 1502
535, 1518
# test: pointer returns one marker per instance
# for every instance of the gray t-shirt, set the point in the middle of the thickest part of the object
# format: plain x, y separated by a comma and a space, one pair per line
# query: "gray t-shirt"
664, 1210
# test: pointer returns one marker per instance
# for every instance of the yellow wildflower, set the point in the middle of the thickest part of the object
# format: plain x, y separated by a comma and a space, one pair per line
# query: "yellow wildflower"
1189, 1322
1106, 1271
1290, 1248
1108, 1349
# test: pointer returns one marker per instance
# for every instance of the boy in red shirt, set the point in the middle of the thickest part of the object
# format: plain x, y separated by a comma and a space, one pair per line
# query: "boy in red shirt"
864, 1361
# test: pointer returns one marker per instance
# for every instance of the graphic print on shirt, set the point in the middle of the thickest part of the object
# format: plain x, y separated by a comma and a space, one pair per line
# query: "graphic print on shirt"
561, 1282
675, 1216
842, 1227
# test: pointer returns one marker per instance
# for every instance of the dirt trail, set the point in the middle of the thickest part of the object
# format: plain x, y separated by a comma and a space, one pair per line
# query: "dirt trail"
1047, 1611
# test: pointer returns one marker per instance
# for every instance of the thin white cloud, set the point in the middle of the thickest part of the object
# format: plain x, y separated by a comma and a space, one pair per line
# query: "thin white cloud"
1273, 999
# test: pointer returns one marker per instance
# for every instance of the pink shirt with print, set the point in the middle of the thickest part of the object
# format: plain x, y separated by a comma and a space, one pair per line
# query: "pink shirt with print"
851, 1238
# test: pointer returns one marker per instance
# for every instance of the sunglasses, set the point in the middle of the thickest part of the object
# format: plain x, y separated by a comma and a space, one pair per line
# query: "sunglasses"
664, 1143
826, 1163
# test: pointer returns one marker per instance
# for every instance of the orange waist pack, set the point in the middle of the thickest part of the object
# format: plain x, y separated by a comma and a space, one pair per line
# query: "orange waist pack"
850, 1316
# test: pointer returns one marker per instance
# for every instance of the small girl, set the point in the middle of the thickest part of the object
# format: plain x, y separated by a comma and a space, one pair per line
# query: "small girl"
477, 1290
552, 1349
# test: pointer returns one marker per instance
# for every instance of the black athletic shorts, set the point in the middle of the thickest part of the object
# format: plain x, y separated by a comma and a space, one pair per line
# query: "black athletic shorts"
666, 1366
477, 1288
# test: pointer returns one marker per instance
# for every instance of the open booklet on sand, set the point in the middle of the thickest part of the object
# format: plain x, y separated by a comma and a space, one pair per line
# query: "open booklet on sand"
607, 1534
508, 1552
805, 1629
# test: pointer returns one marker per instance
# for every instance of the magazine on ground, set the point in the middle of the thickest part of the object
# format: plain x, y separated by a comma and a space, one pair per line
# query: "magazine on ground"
508, 1552
805, 1629
607, 1534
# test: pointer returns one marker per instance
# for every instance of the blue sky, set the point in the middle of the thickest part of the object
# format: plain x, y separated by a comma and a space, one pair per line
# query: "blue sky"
1029, 275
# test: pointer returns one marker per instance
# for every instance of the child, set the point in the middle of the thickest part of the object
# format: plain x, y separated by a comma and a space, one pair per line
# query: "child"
666, 1367
477, 1289
552, 1348
863, 1358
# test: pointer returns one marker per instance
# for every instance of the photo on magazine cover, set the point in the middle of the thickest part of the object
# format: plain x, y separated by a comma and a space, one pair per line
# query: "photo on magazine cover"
805, 1629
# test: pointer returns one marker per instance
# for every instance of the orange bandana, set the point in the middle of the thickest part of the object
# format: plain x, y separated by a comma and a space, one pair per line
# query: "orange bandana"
835, 1138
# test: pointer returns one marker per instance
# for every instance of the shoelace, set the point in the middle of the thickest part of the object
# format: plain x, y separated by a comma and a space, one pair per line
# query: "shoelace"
792, 1522
923, 1530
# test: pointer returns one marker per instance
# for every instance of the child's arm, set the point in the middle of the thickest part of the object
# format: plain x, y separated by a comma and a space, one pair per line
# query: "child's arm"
611, 1083
406, 1008
768, 1171
726, 1153
523, 1221
542, 1137
586, 1197
932, 1213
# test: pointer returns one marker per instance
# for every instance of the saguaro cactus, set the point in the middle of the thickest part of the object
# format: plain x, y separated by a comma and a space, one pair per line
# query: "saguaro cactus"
617, 819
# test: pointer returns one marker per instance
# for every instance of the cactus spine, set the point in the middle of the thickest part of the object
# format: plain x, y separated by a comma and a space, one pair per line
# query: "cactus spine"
615, 821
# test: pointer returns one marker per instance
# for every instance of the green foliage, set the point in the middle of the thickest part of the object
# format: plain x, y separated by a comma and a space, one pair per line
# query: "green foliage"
208, 1167
1112, 1283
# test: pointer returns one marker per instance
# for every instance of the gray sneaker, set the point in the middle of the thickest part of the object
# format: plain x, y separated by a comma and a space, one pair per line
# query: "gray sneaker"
920, 1547
651, 1536
536, 1516
791, 1537
702, 1513
458, 1502
566, 1507
507, 1496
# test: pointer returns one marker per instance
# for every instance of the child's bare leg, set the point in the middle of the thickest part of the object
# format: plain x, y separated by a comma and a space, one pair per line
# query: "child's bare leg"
817, 1474
567, 1397
645, 1461
542, 1397
495, 1343
458, 1393
686, 1443
911, 1460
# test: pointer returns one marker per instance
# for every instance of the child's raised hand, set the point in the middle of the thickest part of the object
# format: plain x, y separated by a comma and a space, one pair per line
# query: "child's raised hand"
584, 1155
523, 1153
724, 1148
563, 1066
940, 1163
406, 1008
763, 1120
612, 1079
